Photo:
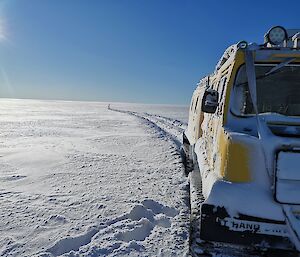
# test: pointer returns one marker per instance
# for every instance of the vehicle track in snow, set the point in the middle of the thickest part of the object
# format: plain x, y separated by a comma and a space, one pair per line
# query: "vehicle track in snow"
169, 128
172, 126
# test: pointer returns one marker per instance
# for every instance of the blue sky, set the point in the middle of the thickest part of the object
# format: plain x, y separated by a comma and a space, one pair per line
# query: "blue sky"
149, 51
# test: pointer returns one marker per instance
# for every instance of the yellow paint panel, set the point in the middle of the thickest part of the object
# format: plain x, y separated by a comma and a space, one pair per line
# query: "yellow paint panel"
223, 146
237, 169
286, 55
234, 159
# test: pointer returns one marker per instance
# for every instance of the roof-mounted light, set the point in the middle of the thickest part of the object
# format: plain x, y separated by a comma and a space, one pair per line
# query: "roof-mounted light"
276, 35
242, 44
296, 40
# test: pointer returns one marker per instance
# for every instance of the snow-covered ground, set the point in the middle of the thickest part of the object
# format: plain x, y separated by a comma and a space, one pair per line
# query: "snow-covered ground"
77, 179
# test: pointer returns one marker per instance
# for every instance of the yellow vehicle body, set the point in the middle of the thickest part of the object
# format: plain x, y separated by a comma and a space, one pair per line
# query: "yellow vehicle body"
237, 151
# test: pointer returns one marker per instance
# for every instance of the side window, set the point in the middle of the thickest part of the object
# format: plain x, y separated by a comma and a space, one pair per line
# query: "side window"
196, 103
221, 90
192, 104
241, 103
218, 87
223, 83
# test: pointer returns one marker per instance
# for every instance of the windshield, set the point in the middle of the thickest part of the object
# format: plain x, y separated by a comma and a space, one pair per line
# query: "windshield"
278, 92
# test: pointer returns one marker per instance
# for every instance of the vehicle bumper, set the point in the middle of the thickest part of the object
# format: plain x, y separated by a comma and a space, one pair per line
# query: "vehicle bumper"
218, 225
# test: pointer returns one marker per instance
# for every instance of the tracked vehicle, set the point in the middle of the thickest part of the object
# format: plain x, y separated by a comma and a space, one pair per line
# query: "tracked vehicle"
243, 138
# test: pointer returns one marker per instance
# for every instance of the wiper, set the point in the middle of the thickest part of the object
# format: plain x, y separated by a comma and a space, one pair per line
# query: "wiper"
272, 71
279, 66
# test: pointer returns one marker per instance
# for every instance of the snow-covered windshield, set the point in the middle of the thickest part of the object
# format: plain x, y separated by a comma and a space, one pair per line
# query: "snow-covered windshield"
278, 92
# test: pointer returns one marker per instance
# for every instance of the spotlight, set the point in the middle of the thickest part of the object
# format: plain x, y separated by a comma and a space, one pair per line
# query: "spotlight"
276, 35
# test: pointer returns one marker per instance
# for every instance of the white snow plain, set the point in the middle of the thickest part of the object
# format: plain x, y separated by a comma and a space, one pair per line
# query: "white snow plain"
77, 179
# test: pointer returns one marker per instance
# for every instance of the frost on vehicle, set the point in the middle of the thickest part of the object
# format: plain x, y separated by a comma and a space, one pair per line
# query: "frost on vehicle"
243, 136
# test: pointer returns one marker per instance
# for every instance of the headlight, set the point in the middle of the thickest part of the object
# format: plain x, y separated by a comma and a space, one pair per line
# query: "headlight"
276, 35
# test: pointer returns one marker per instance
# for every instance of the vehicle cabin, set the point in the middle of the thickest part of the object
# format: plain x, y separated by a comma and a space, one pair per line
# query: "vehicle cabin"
243, 136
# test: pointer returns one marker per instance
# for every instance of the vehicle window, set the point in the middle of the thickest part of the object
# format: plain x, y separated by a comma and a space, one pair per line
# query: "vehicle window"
242, 104
276, 93
221, 87
196, 103
192, 104
219, 84
223, 82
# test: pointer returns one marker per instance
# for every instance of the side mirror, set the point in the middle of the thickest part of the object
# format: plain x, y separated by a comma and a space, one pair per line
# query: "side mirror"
210, 101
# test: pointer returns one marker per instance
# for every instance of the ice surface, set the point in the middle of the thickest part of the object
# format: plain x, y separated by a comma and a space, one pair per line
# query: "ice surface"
77, 179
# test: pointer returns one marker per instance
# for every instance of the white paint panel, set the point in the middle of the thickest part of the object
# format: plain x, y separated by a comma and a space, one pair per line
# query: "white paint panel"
288, 165
288, 177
